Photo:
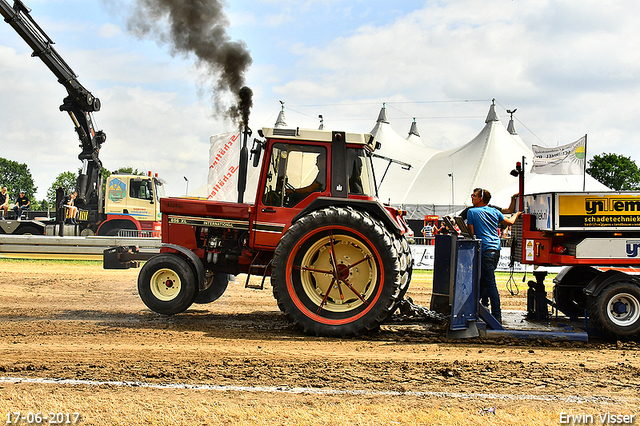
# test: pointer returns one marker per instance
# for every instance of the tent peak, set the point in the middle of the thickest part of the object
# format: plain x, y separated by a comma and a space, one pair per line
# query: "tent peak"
414, 128
382, 117
493, 115
512, 127
280, 121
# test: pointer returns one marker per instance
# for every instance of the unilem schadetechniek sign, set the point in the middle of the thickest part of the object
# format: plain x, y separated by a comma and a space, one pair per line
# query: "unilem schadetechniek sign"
559, 211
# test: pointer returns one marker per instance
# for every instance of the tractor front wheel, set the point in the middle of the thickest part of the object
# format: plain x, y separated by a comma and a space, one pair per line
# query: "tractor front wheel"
167, 284
336, 272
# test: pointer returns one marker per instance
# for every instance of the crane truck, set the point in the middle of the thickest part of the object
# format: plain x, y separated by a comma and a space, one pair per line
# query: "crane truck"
337, 257
596, 237
131, 202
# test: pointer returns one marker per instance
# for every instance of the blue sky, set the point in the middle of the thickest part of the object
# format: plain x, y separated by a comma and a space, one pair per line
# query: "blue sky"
570, 67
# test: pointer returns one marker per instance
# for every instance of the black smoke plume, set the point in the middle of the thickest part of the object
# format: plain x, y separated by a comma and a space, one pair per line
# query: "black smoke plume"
198, 27
245, 104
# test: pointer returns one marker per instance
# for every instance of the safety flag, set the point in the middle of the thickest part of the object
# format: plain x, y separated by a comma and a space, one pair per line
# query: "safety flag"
567, 159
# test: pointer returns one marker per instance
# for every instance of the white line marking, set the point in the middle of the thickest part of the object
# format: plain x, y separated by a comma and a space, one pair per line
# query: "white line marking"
576, 399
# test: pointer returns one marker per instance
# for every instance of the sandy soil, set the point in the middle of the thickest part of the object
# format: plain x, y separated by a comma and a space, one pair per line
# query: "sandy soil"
72, 320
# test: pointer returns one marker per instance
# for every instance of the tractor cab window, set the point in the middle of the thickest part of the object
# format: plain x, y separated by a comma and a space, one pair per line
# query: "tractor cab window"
141, 189
359, 172
295, 171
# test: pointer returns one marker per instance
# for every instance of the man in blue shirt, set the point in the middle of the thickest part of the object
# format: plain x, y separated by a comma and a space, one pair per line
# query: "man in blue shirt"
483, 222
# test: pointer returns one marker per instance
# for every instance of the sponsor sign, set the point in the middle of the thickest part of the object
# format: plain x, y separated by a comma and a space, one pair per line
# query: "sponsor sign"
599, 210
423, 258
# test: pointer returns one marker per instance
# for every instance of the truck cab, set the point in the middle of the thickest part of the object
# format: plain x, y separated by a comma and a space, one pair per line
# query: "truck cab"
132, 203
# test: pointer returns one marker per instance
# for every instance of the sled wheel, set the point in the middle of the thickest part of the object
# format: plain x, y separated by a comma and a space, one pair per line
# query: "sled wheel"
616, 310
570, 299
336, 272
568, 292
167, 284
216, 286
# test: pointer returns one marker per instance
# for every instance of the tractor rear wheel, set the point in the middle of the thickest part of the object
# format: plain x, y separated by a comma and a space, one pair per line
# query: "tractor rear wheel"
336, 272
616, 310
216, 286
406, 265
167, 284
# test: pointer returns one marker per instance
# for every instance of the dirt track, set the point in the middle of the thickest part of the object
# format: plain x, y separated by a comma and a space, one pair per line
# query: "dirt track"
77, 321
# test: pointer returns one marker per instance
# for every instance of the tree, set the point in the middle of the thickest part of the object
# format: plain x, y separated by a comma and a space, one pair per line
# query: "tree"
16, 177
41, 206
66, 181
127, 170
615, 171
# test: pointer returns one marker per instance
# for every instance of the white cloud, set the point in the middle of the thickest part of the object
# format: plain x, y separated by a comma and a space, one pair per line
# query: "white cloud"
569, 66
565, 65
109, 30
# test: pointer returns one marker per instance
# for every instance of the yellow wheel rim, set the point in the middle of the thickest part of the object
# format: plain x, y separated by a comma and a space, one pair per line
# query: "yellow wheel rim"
357, 272
165, 284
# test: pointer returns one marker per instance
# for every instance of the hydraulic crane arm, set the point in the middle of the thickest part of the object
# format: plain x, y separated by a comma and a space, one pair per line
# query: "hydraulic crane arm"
79, 103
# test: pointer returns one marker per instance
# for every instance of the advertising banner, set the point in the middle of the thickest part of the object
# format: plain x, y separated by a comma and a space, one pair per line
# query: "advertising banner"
423, 258
598, 210
561, 160
224, 156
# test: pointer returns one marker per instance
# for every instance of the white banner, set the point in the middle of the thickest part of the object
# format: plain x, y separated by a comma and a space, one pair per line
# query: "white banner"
562, 160
423, 258
224, 156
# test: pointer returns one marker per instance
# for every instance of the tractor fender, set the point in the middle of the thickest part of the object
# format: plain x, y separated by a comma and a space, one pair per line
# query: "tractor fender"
595, 287
201, 276
374, 208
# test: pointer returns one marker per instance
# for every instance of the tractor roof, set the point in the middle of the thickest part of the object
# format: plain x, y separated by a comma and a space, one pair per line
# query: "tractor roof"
299, 134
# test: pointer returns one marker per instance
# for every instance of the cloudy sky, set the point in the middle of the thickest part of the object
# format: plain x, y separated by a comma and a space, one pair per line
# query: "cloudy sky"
570, 67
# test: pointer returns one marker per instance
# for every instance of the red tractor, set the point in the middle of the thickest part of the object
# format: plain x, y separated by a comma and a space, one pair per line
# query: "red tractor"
338, 259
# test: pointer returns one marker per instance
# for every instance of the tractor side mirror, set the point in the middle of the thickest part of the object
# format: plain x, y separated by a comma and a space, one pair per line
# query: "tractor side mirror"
256, 151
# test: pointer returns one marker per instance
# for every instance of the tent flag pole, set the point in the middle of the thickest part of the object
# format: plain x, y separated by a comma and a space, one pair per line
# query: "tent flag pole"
584, 167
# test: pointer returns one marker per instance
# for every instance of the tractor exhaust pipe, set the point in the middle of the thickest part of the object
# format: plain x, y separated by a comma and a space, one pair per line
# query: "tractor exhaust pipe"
244, 106
243, 166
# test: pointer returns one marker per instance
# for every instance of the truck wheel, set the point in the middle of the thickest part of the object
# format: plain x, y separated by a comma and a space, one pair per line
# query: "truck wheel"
217, 284
616, 310
336, 272
167, 284
29, 230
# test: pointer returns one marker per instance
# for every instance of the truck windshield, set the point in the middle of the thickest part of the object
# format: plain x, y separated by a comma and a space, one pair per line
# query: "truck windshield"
139, 188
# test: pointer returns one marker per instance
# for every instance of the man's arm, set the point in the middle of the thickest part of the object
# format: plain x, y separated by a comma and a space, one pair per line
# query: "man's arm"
512, 219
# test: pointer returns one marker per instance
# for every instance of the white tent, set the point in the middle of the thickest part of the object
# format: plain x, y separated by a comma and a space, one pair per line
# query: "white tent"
445, 182
397, 179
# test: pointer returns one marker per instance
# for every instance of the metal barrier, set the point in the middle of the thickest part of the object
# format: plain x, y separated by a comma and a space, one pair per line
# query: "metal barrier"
134, 233
69, 248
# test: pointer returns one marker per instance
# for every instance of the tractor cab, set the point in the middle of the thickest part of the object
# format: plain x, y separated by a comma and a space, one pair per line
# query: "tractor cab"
300, 166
